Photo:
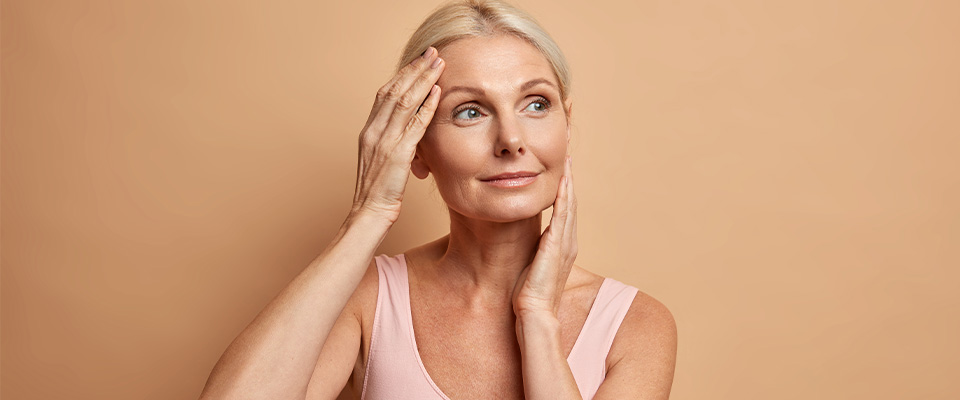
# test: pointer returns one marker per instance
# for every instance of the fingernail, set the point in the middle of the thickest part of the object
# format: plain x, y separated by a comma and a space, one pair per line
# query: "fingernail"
428, 52
436, 63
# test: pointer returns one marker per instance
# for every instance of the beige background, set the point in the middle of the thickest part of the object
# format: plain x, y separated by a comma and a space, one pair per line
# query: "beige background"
784, 176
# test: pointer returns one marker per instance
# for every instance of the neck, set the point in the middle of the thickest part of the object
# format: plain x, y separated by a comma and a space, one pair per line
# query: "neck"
485, 259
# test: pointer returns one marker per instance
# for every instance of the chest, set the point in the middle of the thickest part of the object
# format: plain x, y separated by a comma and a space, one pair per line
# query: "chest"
469, 352
475, 354
468, 356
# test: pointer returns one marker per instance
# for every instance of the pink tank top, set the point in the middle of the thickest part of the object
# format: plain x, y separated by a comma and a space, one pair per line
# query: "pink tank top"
395, 370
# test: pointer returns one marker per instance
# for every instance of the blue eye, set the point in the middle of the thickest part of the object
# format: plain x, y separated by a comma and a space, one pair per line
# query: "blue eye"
540, 105
467, 113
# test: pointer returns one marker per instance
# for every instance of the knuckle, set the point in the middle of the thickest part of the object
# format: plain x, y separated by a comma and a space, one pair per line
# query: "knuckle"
406, 101
429, 107
416, 122
393, 92
367, 142
382, 94
368, 135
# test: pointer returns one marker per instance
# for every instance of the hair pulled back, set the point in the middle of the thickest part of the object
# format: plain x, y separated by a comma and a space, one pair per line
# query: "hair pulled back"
478, 18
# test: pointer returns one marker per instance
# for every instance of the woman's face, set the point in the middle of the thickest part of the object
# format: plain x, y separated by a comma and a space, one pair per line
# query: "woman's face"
500, 112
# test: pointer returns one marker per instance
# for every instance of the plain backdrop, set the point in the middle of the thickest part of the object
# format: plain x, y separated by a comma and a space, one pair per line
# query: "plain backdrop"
784, 176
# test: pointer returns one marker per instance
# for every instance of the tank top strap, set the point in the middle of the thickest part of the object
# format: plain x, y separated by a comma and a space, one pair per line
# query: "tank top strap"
393, 365
588, 358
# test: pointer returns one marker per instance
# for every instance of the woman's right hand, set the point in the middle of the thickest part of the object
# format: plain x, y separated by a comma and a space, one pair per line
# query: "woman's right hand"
389, 139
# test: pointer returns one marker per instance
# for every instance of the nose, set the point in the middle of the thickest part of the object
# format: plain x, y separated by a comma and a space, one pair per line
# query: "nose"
509, 138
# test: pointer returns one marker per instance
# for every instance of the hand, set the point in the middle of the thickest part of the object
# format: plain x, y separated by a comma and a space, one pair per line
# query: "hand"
389, 139
541, 283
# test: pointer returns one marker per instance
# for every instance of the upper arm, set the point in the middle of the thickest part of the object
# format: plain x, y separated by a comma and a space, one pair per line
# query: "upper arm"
646, 345
340, 351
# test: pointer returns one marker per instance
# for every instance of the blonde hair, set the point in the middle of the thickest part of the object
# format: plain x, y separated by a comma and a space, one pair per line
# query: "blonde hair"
476, 18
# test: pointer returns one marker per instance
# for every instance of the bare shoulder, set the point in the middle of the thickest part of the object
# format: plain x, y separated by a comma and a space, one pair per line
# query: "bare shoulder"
643, 356
647, 317
648, 328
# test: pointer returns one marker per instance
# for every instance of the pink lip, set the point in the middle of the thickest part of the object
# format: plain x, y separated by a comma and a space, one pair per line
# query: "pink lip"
512, 179
509, 175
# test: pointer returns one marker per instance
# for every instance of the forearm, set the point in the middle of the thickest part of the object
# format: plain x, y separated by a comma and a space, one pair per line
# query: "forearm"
275, 355
546, 374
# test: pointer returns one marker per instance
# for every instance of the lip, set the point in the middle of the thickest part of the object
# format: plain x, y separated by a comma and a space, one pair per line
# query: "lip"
511, 175
512, 179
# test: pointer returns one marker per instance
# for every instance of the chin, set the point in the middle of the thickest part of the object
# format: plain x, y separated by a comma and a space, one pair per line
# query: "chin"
511, 209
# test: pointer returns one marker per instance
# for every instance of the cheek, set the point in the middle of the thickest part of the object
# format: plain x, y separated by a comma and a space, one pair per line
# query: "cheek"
548, 140
451, 155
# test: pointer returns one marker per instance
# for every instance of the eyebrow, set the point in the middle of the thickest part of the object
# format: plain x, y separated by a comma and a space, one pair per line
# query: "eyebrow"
478, 91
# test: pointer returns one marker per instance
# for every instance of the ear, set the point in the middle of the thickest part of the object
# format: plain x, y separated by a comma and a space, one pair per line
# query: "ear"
419, 168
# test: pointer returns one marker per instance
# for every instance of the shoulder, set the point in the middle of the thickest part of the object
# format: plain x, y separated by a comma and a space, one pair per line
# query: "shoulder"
644, 349
648, 331
648, 324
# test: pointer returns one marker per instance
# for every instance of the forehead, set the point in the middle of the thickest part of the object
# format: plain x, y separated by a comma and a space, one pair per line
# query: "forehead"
493, 62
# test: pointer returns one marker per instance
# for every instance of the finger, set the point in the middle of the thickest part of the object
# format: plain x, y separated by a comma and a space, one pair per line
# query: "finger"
569, 198
418, 125
557, 221
563, 198
572, 196
570, 229
405, 79
406, 106
407, 73
392, 90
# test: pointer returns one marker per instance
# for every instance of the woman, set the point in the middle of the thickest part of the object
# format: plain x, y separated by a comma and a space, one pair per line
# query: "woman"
492, 310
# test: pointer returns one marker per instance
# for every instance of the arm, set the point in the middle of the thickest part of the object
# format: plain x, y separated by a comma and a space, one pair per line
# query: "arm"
647, 345
536, 302
546, 374
275, 356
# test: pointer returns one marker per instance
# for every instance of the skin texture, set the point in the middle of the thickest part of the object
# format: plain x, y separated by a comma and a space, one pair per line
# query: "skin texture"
501, 111
494, 231
496, 306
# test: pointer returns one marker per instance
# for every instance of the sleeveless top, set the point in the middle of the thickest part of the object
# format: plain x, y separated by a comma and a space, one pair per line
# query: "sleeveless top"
395, 370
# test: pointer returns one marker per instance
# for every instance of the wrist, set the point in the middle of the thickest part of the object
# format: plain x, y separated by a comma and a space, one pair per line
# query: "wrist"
361, 231
538, 317
538, 333
366, 220
538, 324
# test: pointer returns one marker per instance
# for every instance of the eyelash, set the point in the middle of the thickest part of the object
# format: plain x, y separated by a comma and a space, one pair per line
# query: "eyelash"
546, 103
546, 106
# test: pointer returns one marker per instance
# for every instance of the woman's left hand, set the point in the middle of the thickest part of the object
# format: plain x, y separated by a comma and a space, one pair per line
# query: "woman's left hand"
541, 283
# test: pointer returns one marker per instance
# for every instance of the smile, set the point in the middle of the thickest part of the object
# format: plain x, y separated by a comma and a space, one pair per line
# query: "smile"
515, 182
